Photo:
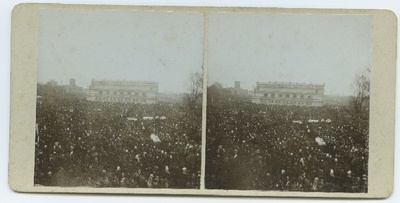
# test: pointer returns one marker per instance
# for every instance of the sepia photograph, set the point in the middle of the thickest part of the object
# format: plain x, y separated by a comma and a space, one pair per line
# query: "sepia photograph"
288, 102
214, 101
119, 99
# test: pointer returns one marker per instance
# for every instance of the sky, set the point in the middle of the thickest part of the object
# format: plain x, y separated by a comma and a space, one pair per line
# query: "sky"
120, 45
168, 46
310, 48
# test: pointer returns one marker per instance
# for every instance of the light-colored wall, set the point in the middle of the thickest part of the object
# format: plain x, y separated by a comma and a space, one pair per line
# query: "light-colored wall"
124, 92
315, 92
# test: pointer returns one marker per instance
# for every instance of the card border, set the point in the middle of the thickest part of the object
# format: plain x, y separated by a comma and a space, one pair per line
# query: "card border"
23, 79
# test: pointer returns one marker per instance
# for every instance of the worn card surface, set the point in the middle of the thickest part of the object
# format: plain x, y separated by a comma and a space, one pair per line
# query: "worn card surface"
202, 101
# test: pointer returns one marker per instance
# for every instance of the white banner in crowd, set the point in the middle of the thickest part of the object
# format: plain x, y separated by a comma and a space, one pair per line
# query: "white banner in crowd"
320, 141
155, 138
313, 121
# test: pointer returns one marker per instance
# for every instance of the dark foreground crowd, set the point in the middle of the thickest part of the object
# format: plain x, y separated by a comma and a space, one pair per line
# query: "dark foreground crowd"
83, 143
258, 147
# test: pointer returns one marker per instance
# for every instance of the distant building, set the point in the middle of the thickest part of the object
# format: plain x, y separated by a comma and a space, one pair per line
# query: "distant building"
123, 91
238, 91
52, 90
72, 88
173, 98
280, 93
336, 100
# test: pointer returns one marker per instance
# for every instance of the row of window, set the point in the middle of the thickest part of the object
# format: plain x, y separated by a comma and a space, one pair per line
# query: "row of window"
284, 102
118, 99
289, 86
123, 93
287, 95
141, 86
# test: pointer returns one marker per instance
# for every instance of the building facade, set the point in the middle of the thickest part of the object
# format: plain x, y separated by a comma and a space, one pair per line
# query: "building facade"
280, 93
123, 91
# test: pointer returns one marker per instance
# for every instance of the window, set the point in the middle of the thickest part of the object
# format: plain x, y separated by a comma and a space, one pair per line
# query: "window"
309, 97
316, 91
100, 92
287, 95
302, 96
136, 94
265, 95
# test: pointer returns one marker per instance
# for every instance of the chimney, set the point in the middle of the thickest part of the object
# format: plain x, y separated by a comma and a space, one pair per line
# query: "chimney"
72, 82
237, 84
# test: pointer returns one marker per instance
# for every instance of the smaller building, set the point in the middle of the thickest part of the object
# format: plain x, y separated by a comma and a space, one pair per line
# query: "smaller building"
336, 100
123, 91
238, 91
72, 88
52, 90
172, 98
280, 93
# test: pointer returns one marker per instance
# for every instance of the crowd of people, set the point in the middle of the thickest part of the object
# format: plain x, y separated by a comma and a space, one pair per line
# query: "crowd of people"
96, 144
287, 148
248, 146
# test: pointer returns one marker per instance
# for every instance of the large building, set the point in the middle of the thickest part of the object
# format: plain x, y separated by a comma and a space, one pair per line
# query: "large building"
123, 91
280, 93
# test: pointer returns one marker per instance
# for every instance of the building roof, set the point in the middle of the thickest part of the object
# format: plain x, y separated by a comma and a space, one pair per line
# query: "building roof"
123, 82
290, 85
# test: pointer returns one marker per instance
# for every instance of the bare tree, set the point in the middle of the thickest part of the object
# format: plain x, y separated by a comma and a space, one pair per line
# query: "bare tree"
361, 86
195, 89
